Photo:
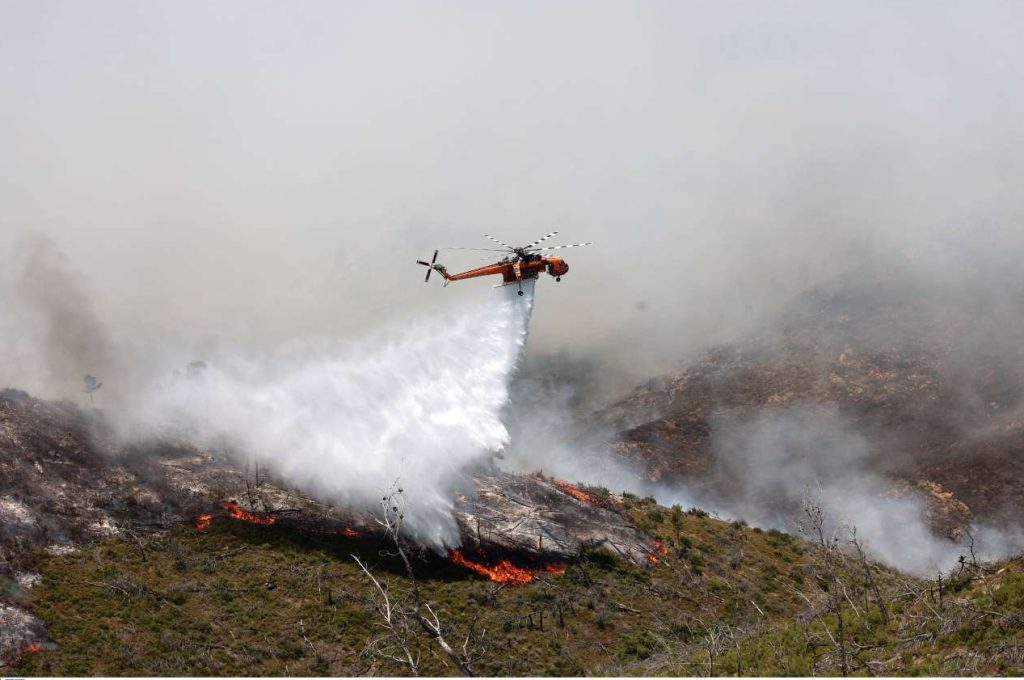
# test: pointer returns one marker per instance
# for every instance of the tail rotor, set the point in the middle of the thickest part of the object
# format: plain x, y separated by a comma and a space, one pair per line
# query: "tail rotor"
429, 266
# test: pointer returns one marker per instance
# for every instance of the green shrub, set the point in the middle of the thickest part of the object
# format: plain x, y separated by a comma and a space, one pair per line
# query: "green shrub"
655, 516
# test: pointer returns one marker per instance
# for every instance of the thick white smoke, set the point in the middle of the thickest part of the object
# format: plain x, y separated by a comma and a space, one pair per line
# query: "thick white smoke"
774, 459
419, 404
779, 458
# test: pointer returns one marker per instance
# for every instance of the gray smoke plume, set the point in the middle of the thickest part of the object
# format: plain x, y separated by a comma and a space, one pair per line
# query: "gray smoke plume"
51, 335
777, 459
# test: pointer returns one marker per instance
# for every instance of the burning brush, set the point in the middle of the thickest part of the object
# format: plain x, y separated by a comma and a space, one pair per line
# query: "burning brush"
578, 493
656, 552
36, 647
233, 510
503, 571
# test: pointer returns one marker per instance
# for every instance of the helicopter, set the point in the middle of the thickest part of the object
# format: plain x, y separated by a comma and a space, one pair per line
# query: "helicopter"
525, 262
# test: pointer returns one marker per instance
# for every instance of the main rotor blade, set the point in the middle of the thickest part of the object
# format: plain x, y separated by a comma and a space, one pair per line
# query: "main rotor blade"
541, 240
490, 250
572, 245
500, 243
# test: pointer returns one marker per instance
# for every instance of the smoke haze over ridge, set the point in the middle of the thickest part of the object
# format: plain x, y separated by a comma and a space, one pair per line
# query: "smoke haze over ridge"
259, 173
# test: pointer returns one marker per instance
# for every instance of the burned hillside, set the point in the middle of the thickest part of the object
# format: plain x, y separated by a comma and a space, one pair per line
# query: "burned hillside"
918, 383
66, 482
67, 478
170, 559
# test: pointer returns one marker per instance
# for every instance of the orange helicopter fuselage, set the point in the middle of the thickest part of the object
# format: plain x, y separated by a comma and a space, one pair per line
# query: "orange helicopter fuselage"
514, 271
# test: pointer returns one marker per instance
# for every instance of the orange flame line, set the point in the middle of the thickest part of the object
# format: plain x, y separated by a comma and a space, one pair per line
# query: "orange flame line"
577, 493
504, 571
236, 512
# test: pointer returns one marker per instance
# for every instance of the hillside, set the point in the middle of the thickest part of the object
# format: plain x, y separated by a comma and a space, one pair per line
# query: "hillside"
881, 371
241, 597
109, 568
68, 487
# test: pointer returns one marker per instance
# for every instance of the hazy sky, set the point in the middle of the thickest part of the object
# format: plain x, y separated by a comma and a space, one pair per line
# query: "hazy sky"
258, 171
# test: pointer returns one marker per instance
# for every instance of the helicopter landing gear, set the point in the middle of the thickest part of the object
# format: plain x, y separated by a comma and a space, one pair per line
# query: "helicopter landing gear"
520, 292
557, 279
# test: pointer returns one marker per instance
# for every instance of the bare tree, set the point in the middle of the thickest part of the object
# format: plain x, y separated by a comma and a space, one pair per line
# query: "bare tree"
870, 582
828, 566
716, 641
397, 643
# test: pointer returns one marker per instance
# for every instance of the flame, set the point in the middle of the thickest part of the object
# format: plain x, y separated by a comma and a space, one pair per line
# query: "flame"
653, 553
556, 569
235, 511
33, 648
347, 532
504, 571
577, 493
332, 531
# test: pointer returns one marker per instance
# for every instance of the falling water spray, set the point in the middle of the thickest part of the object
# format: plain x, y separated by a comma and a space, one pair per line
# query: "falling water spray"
419, 404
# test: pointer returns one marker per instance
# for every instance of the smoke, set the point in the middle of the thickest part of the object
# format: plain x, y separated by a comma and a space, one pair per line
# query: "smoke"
418, 405
550, 396
776, 460
50, 333
765, 465
251, 172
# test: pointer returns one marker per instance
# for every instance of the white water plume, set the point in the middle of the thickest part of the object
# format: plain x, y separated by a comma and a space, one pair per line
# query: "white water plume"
420, 404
